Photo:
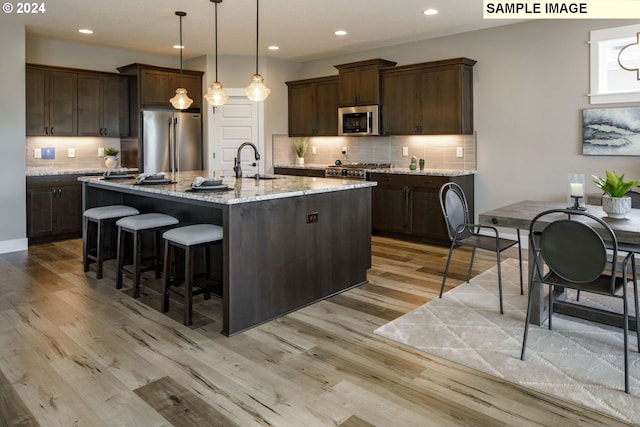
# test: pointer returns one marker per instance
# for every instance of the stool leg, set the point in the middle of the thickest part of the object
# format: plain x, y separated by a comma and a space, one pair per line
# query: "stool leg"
168, 252
207, 275
188, 291
100, 249
85, 243
120, 257
156, 253
137, 261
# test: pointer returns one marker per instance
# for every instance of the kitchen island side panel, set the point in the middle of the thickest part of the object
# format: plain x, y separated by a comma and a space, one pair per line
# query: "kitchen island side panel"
279, 262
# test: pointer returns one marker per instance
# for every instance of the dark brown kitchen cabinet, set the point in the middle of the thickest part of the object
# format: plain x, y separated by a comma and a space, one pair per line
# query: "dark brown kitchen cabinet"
103, 105
313, 107
408, 205
54, 208
298, 171
359, 82
158, 86
51, 98
429, 98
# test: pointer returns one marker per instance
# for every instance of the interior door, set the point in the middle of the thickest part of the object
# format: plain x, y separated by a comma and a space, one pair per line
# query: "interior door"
235, 122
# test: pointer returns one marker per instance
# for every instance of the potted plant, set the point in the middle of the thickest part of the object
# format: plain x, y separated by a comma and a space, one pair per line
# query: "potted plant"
615, 203
300, 147
111, 157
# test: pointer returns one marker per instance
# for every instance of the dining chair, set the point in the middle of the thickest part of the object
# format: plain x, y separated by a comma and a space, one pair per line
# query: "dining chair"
464, 233
578, 257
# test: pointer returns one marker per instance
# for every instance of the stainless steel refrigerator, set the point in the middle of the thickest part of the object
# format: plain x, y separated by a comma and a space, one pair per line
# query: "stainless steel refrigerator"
171, 141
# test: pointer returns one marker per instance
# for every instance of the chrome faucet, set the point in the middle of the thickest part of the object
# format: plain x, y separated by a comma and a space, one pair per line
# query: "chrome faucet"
236, 160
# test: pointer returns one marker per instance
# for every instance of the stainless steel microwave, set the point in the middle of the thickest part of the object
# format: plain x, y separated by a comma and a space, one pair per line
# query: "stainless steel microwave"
359, 121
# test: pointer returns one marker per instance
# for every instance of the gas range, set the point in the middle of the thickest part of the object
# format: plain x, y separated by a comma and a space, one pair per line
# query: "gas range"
354, 170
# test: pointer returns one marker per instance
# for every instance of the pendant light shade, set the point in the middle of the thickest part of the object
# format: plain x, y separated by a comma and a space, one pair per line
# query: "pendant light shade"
257, 91
181, 101
216, 96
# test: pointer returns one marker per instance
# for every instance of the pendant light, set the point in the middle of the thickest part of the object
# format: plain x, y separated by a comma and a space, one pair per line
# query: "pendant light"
216, 96
257, 91
181, 101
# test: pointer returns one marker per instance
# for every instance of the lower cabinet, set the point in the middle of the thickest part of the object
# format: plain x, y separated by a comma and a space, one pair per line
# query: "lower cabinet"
409, 205
54, 208
298, 171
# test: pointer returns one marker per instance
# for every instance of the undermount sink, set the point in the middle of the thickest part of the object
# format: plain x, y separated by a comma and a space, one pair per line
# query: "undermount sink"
261, 176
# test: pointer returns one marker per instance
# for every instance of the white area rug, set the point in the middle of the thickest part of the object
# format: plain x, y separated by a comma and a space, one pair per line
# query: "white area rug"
578, 361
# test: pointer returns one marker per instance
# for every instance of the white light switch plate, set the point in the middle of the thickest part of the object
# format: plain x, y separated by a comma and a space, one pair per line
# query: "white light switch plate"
405, 151
459, 152
71, 152
314, 150
100, 152
37, 153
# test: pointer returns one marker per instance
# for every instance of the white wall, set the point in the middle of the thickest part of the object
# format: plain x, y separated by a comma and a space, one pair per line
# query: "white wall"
530, 86
13, 226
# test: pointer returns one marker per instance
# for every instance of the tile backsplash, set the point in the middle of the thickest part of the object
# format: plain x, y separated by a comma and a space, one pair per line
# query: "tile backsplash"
84, 152
439, 151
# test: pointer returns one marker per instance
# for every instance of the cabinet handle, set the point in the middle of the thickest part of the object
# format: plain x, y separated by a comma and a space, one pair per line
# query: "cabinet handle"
100, 131
51, 130
105, 131
46, 130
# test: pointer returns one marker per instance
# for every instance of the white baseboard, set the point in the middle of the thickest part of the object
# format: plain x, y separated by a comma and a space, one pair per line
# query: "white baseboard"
14, 245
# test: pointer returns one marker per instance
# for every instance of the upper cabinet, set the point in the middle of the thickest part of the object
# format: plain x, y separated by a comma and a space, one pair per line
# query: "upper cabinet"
313, 107
359, 82
68, 102
428, 98
51, 97
156, 85
103, 106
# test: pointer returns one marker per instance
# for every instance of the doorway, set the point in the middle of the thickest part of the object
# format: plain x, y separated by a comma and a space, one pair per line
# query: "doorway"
237, 121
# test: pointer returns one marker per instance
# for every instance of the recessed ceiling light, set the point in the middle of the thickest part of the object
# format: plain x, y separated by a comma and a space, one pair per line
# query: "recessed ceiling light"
177, 46
272, 47
85, 31
340, 33
430, 12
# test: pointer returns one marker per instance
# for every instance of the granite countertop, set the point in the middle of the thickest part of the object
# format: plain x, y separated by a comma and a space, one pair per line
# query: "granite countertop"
240, 190
45, 171
393, 170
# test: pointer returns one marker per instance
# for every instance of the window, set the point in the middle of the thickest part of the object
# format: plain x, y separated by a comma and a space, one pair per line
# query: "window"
609, 81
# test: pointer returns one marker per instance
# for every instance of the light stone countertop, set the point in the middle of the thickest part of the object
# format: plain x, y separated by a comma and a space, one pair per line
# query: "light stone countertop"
242, 190
393, 170
46, 170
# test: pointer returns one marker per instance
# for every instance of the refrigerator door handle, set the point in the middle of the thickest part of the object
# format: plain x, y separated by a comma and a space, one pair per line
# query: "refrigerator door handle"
176, 151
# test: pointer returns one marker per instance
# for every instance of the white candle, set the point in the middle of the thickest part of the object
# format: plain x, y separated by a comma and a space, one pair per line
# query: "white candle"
577, 189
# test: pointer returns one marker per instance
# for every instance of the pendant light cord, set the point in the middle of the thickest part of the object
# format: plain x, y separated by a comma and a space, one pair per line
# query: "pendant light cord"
216, 3
181, 49
257, 21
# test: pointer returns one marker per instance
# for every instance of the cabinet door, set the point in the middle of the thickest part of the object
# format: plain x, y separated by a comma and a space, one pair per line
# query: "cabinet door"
89, 105
193, 85
40, 211
63, 95
368, 85
425, 213
400, 104
37, 99
302, 114
68, 215
327, 108
156, 88
112, 102
348, 87
389, 203
441, 101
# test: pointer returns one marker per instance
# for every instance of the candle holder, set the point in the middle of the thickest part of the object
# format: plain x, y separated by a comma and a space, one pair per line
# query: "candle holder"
575, 192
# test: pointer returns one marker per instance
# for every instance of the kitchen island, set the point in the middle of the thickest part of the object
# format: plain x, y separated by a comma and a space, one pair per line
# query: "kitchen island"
288, 241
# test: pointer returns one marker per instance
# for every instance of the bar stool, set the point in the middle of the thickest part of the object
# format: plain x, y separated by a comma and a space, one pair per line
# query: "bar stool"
137, 225
188, 237
101, 216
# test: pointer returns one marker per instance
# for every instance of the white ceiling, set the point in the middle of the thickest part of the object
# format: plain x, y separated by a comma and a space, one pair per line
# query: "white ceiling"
302, 28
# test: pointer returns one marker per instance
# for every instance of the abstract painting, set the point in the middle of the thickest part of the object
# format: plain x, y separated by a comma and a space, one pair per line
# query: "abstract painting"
611, 131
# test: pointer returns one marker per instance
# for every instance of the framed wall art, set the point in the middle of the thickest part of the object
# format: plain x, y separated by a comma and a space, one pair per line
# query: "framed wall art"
611, 131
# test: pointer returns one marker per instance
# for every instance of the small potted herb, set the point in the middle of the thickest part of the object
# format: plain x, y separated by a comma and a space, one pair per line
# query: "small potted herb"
111, 157
300, 146
615, 203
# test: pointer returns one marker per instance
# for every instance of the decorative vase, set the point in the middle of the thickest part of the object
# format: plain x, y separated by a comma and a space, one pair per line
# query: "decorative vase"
616, 207
300, 161
111, 162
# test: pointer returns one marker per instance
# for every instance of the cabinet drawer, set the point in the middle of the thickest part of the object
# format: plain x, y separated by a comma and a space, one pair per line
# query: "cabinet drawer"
427, 181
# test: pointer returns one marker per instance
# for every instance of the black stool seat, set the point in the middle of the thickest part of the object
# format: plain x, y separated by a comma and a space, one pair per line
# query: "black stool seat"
101, 216
188, 237
137, 225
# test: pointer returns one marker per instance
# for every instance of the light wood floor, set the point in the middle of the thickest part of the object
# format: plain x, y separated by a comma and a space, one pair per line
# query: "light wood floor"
75, 351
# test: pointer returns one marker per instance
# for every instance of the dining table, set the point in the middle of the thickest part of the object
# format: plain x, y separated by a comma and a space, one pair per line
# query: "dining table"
518, 216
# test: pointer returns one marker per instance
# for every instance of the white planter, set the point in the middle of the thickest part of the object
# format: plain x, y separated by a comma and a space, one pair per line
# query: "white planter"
300, 161
616, 207
111, 162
